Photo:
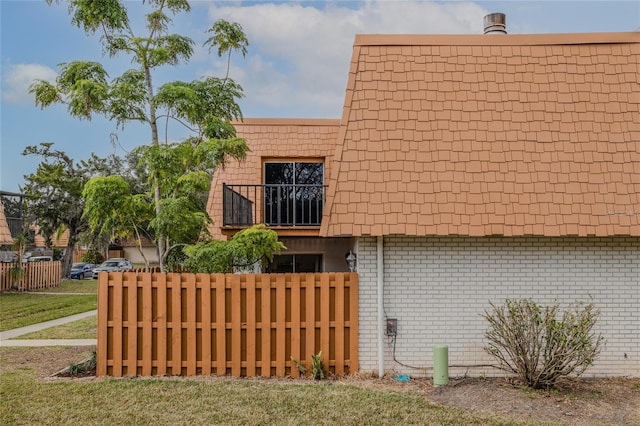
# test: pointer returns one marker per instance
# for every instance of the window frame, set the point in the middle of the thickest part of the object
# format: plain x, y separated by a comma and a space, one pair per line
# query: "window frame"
292, 214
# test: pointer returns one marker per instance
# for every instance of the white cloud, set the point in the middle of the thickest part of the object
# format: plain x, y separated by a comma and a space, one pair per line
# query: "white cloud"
299, 54
17, 78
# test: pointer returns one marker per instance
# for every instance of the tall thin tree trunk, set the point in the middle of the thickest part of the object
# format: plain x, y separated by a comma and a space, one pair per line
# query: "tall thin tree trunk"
67, 258
157, 196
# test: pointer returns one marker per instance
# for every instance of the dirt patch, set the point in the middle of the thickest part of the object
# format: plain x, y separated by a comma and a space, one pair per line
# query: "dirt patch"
44, 361
576, 402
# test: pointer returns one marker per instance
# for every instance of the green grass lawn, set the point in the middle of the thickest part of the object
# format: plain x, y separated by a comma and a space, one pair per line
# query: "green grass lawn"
82, 329
20, 309
26, 400
74, 286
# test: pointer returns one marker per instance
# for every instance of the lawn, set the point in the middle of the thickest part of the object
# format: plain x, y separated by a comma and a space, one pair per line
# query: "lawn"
20, 309
169, 401
75, 286
82, 329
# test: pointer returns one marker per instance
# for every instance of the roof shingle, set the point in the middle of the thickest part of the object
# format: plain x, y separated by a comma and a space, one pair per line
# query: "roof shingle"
489, 135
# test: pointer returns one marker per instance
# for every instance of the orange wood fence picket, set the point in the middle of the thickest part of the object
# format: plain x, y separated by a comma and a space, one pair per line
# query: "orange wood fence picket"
156, 324
37, 275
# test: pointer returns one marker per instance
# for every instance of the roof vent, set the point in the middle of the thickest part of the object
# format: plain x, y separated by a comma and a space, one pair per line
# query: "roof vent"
495, 23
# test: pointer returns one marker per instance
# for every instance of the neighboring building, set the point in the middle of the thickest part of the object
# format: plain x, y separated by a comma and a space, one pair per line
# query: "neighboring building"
465, 170
13, 215
60, 240
5, 233
130, 250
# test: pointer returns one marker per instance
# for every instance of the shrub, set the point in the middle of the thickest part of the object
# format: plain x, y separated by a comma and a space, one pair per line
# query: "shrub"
57, 253
243, 250
538, 346
175, 259
92, 256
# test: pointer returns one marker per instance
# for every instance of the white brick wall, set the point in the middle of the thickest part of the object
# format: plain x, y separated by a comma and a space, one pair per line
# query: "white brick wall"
437, 288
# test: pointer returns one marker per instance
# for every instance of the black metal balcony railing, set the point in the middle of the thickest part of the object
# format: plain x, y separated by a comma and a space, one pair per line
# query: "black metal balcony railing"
272, 204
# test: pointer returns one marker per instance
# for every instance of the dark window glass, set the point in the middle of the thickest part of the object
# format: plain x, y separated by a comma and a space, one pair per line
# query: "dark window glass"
309, 173
295, 263
293, 194
278, 173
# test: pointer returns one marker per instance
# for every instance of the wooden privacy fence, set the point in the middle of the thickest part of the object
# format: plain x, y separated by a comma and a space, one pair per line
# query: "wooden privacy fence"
156, 324
37, 275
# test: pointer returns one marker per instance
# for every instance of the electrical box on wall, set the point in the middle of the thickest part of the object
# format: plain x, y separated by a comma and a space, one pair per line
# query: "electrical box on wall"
392, 327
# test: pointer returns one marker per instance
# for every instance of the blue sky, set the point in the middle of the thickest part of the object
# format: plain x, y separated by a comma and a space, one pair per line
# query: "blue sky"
296, 67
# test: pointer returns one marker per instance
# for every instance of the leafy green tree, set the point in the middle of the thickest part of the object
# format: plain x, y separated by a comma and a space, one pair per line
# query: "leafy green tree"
184, 171
112, 211
205, 107
54, 195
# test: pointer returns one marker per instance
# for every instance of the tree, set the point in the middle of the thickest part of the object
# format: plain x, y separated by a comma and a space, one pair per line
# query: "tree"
205, 107
184, 171
245, 249
112, 211
54, 195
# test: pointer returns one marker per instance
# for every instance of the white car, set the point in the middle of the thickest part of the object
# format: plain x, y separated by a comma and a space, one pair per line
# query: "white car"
39, 259
112, 265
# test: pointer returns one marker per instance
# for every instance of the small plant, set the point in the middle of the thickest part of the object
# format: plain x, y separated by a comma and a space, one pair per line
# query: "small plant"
317, 366
538, 346
84, 367
76, 369
301, 368
16, 273
92, 362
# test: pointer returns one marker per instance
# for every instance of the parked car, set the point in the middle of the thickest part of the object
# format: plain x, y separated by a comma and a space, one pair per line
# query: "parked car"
112, 265
40, 259
80, 271
125, 261
8, 256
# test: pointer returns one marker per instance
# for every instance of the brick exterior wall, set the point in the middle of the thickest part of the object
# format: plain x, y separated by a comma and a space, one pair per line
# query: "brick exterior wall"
438, 287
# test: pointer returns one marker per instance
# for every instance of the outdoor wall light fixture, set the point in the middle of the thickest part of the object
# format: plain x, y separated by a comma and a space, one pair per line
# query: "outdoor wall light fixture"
352, 260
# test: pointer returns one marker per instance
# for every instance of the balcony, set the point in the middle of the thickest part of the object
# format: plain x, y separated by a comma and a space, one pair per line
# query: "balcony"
276, 205
15, 226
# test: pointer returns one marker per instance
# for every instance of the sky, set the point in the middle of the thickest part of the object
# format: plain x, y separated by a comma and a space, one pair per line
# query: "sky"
296, 67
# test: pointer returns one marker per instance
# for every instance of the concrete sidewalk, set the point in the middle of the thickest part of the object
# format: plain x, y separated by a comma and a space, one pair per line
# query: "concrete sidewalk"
6, 336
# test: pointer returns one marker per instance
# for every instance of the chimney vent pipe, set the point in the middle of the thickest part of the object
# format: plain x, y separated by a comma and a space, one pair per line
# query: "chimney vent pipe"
495, 23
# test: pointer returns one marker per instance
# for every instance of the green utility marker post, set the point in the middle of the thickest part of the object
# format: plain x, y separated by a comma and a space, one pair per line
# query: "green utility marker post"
440, 365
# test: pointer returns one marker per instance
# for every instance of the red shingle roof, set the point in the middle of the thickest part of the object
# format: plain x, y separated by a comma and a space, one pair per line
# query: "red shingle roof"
489, 135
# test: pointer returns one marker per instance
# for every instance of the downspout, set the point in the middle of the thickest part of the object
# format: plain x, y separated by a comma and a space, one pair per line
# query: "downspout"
380, 259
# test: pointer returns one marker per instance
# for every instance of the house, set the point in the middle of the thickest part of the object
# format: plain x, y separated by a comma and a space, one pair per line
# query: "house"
136, 252
13, 214
466, 169
5, 233
282, 183
59, 241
